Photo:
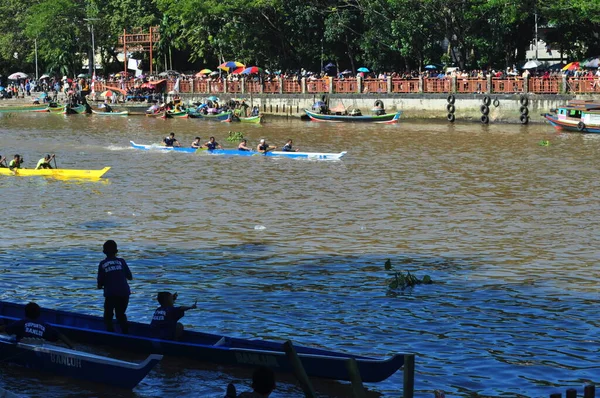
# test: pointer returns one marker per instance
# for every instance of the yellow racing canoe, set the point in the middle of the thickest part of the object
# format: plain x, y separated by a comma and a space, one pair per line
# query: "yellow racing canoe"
59, 173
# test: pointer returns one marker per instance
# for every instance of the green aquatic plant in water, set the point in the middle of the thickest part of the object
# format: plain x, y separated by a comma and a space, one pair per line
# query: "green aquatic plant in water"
235, 136
401, 280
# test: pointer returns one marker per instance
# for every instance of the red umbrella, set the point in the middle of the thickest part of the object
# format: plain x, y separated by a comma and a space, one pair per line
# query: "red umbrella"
251, 70
571, 66
238, 71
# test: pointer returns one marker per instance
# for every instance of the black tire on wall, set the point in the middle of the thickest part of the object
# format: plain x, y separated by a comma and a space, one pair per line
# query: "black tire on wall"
496, 102
379, 104
485, 119
485, 110
524, 110
451, 117
524, 119
580, 126
487, 100
451, 99
524, 100
450, 108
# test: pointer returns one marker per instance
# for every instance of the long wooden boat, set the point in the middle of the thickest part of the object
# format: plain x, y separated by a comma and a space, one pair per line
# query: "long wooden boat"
388, 118
210, 348
58, 173
121, 113
220, 117
76, 364
174, 114
56, 109
23, 108
578, 116
237, 152
79, 109
251, 119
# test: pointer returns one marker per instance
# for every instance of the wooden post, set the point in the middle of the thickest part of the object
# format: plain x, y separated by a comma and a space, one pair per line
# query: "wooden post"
453, 84
409, 375
151, 54
526, 84
299, 371
303, 85
571, 393
589, 391
124, 51
389, 84
279, 78
331, 85
556, 395
243, 88
358, 390
489, 84
420, 84
359, 83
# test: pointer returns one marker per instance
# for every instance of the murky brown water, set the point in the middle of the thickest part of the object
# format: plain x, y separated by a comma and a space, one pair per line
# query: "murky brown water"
279, 248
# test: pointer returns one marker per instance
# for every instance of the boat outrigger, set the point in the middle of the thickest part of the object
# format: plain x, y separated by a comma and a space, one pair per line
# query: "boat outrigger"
75, 364
578, 115
208, 347
236, 152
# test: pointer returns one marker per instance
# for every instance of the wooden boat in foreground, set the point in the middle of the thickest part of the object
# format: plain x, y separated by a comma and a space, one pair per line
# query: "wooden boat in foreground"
251, 119
581, 116
58, 173
388, 118
79, 110
237, 152
210, 348
24, 108
219, 117
76, 364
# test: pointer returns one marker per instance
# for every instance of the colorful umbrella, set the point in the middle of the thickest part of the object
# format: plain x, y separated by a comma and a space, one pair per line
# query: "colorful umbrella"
231, 65
534, 63
571, 66
251, 70
363, 69
593, 62
17, 76
203, 72
107, 94
237, 71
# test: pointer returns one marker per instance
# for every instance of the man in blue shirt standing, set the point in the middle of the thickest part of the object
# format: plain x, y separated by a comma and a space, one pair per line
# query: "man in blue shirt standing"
113, 274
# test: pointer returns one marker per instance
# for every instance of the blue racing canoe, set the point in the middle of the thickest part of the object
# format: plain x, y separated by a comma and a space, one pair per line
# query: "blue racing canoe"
211, 348
237, 152
75, 364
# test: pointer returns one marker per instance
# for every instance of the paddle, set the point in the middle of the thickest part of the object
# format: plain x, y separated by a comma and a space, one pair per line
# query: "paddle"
54, 157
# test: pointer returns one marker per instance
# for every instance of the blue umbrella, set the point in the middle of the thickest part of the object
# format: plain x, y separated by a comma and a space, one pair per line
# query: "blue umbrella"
363, 69
213, 98
1, 88
433, 66
328, 66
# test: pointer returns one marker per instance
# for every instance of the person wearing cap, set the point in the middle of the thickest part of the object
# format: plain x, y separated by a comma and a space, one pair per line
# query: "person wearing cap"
196, 144
211, 145
263, 147
16, 162
113, 274
171, 141
44, 163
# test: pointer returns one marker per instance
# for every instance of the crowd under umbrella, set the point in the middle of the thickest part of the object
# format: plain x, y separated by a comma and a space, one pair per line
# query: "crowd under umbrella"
17, 76
534, 63
251, 70
204, 72
593, 62
169, 73
571, 66
231, 66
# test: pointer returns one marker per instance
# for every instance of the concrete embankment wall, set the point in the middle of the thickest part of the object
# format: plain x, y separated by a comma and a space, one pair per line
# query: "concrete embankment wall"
417, 106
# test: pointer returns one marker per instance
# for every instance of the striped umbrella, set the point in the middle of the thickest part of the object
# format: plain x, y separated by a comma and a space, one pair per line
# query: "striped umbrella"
230, 65
251, 70
571, 66
203, 72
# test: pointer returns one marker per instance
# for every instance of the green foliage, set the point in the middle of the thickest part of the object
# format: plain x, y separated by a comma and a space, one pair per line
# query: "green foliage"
402, 280
293, 34
235, 136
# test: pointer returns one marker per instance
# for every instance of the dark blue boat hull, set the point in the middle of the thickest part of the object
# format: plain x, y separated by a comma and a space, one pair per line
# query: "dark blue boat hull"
76, 365
212, 348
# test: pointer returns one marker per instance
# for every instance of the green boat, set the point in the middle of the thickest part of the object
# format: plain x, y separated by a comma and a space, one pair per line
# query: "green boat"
251, 119
24, 108
79, 109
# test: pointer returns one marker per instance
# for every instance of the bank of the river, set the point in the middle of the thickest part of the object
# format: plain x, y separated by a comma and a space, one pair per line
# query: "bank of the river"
503, 108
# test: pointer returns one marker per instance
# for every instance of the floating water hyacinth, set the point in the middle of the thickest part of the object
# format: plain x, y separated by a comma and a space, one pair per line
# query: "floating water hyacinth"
259, 227
402, 281
235, 136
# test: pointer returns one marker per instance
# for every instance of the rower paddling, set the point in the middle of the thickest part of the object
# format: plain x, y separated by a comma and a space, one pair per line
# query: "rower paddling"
171, 141
16, 163
211, 145
44, 163
243, 146
196, 143
263, 147
288, 147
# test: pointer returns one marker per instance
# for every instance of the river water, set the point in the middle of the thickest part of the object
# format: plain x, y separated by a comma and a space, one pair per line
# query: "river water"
295, 249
